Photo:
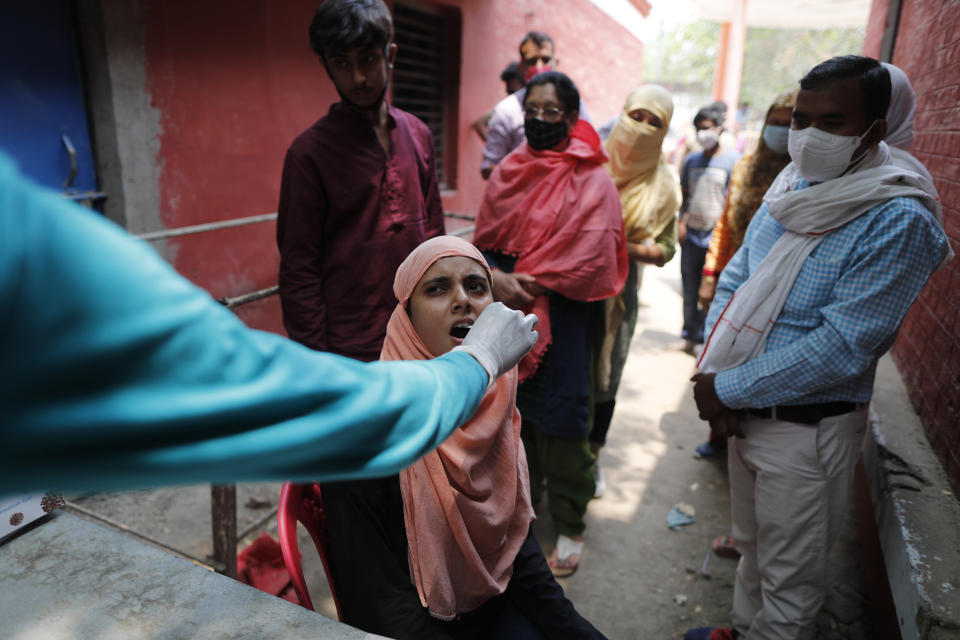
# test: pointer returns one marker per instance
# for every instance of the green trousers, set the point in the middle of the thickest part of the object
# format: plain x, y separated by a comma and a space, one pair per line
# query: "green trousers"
568, 466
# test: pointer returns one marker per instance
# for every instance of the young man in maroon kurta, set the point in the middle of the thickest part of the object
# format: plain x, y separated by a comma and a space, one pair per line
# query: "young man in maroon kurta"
359, 191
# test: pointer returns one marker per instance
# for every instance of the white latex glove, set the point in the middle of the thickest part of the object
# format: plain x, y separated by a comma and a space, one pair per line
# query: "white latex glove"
499, 338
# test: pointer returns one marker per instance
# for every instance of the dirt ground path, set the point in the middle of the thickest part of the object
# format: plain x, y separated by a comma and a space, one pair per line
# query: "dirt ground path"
639, 579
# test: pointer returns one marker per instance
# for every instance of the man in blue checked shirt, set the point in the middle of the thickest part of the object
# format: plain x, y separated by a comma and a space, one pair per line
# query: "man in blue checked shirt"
830, 264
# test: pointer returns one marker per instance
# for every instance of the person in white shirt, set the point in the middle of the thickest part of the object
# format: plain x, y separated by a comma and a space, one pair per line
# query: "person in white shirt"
505, 128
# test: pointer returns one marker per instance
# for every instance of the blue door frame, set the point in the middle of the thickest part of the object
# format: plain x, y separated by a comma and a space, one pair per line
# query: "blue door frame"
43, 113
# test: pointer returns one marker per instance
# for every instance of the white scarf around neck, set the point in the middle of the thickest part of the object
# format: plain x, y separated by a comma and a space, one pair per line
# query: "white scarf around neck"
807, 215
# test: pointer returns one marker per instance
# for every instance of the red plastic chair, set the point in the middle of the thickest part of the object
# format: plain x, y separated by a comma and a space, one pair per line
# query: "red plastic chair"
304, 502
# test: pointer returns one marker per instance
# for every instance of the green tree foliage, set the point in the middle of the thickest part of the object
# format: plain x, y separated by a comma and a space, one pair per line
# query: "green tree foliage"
685, 58
776, 59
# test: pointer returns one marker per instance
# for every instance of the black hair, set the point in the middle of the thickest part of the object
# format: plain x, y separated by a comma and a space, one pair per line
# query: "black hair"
719, 105
339, 25
536, 37
711, 113
874, 81
511, 72
567, 92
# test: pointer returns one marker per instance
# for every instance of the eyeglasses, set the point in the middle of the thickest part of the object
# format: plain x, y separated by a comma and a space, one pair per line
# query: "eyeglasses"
550, 114
533, 60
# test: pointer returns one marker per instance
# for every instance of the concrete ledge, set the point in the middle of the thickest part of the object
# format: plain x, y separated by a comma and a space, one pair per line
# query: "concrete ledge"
70, 579
918, 517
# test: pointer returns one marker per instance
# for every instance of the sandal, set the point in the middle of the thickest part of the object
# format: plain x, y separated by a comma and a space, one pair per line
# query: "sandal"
723, 547
565, 557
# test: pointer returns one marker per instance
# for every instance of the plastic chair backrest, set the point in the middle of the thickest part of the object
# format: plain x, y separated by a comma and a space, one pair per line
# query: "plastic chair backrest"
304, 503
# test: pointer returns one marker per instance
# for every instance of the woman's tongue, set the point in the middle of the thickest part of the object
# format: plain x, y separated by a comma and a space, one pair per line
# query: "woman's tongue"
460, 331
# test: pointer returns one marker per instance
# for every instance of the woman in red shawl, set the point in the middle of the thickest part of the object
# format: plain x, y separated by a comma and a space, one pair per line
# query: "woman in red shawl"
445, 549
550, 225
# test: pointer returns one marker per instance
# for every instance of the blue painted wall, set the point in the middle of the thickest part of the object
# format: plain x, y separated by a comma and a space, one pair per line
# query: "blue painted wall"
41, 93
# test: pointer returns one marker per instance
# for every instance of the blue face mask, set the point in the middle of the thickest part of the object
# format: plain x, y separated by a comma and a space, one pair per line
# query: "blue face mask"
775, 137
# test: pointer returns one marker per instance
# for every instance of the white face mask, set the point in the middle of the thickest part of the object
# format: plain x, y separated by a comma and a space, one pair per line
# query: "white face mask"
822, 156
775, 136
708, 138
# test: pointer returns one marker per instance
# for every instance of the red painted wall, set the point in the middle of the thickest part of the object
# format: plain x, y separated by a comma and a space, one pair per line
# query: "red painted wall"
602, 58
235, 82
927, 351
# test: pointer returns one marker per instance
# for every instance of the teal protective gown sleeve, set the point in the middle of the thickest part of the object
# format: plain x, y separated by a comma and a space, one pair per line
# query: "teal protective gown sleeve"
116, 372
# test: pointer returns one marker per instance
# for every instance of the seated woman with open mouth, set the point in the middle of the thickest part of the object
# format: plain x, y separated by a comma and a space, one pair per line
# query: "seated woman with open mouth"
446, 549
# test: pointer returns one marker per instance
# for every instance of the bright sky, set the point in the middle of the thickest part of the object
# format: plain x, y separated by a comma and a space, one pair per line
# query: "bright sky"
673, 12
664, 15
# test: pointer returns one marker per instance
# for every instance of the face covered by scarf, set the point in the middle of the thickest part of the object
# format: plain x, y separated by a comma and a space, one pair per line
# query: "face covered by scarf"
649, 193
466, 506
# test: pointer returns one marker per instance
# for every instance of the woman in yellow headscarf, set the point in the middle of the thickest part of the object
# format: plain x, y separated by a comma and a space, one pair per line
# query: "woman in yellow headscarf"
650, 196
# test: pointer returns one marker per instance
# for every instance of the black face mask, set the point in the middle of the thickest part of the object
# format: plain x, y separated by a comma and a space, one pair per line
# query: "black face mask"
542, 135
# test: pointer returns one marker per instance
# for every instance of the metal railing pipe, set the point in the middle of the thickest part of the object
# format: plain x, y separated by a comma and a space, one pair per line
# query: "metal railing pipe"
462, 232
207, 226
247, 298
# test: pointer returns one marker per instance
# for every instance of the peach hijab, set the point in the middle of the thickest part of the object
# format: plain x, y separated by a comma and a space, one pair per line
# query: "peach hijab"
466, 505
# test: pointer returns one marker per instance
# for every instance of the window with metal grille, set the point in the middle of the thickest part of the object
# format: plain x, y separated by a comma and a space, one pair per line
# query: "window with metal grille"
425, 77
